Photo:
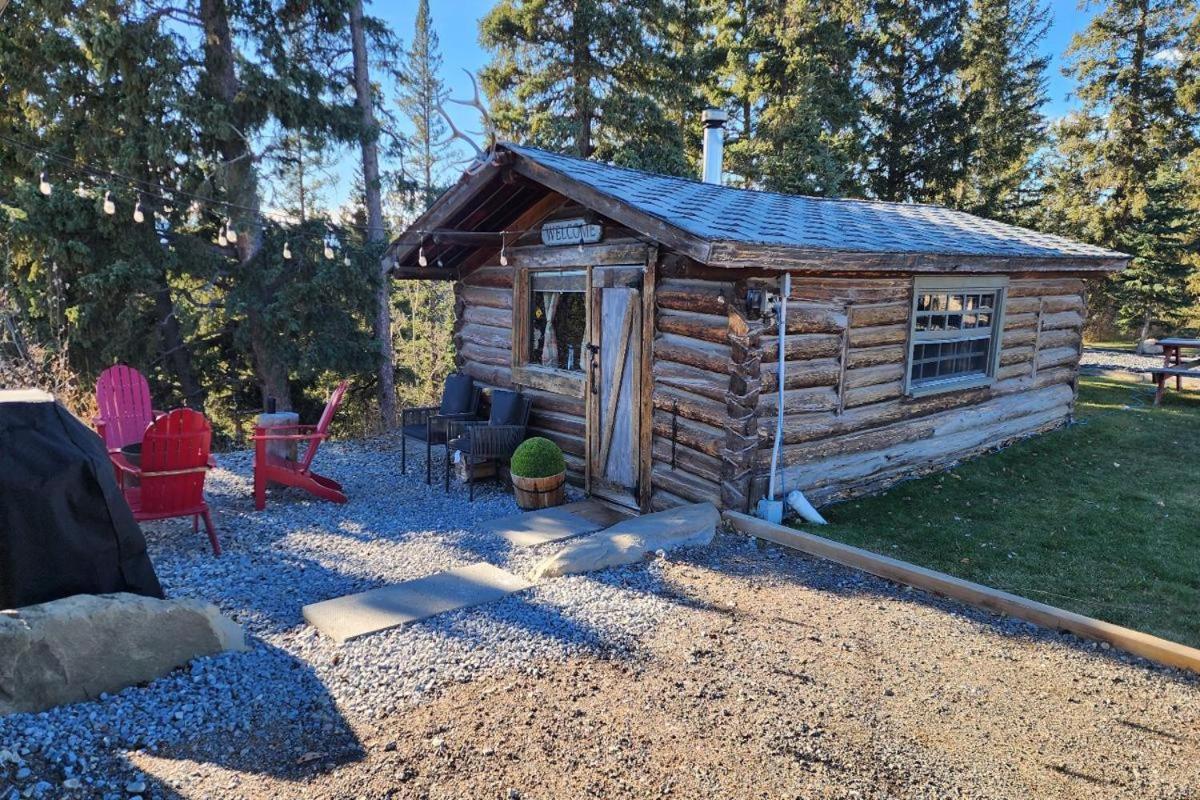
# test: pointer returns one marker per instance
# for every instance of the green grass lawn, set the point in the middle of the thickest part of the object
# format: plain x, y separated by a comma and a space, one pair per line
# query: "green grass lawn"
1102, 518
1122, 345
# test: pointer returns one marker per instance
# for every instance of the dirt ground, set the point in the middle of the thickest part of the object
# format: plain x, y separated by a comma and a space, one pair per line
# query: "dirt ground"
780, 677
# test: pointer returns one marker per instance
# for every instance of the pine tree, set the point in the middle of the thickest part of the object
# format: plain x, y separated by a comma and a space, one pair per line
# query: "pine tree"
911, 54
581, 76
421, 91
1002, 88
1113, 177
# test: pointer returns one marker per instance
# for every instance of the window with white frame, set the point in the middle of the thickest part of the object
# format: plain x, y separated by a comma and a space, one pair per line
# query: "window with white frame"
956, 324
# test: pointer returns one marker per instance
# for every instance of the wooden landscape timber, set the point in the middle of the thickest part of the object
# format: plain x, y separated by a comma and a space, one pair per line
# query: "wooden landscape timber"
706, 348
1152, 648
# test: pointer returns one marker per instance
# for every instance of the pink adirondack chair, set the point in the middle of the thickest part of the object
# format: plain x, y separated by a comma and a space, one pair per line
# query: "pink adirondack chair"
271, 468
123, 398
170, 478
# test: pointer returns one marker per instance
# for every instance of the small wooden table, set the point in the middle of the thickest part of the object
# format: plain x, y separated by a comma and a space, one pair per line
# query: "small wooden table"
1172, 355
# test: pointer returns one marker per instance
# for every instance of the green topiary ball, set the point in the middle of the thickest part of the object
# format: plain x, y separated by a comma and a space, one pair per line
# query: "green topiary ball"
537, 458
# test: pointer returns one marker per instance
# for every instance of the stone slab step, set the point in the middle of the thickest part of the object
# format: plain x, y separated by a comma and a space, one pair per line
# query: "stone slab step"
355, 615
554, 524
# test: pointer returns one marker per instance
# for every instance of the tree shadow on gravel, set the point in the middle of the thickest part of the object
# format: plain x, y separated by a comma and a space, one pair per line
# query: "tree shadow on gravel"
835, 579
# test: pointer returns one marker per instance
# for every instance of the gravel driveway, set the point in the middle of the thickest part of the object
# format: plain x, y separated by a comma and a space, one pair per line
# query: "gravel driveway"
738, 671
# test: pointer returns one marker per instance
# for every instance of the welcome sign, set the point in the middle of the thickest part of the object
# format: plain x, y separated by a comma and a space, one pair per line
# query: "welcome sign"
570, 231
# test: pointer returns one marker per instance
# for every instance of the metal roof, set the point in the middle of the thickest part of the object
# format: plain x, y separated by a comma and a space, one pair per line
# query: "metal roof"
722, 213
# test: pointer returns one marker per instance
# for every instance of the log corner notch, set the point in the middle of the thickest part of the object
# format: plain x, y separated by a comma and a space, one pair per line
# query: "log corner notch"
741, 402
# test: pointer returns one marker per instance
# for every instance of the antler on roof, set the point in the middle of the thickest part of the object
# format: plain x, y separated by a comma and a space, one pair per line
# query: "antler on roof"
482, 157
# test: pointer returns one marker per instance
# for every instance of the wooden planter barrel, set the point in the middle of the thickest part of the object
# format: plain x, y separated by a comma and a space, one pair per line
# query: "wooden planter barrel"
534, 493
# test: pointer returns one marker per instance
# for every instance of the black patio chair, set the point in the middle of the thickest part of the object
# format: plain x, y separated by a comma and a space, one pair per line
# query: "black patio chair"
494, 439
460, 401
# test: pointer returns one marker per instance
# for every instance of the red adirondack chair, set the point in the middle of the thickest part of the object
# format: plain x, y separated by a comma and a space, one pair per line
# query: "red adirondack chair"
170, 478
271, 468
123, 400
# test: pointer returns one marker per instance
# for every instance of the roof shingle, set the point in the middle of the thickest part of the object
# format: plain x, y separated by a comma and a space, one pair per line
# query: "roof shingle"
724, 213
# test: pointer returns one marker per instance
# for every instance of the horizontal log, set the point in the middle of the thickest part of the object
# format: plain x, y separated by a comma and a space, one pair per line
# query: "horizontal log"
878, 335
800, 428
697, 435
486, 315
712, 385
1066, 337
557, 421
872, 356
687, 459
693, 352
801, 374
662, 500
1035, 287
575, 445
705, 297
860, 290
485, 335
487, 296
1018, 337
870, 376
489, 375
875, 393
802, 346
552, 401
482, 354
691, 406
950, 438
496, 277
876, 314
1014, 321
1063, 319
1057, 356
1016, 369
798, 401
1016, 355
705, 327
1047, 304
815, 318
690, 487
907, 430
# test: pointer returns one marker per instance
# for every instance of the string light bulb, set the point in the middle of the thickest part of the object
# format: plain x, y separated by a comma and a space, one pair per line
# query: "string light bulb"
80, 190
421, 259
44, 185
230, 233
138, 214
328, 249
287, 252
110, 207
346, 261
503, 256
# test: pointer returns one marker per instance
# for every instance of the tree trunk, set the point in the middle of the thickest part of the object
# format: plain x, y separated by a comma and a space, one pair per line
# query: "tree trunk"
241, 184
375, 232
174, 350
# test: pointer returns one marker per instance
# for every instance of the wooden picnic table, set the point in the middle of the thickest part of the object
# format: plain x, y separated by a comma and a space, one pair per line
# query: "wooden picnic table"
1172, 355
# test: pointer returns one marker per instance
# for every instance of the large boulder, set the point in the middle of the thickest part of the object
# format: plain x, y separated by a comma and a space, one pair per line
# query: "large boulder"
629, 541
73, 649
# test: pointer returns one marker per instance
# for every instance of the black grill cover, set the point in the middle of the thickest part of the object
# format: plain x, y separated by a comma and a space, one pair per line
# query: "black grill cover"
64, 527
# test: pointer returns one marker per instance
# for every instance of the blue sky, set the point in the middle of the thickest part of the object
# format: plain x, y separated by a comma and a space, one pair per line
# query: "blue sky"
457, 26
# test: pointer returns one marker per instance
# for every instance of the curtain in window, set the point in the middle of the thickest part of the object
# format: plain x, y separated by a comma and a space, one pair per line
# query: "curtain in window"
550, 348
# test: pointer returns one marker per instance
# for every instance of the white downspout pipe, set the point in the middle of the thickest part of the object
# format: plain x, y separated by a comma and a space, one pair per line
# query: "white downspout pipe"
771, 509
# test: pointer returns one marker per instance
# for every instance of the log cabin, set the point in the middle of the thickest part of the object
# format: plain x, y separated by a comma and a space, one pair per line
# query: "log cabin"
640, 312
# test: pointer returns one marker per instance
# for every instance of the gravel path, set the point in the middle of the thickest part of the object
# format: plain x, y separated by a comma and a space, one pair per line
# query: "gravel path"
1095, 359
296, 552
737, 671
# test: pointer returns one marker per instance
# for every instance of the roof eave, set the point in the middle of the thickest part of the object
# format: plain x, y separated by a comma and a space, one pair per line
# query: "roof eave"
735, 254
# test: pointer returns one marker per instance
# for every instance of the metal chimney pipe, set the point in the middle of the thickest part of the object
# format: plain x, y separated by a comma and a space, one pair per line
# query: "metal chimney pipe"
714, 144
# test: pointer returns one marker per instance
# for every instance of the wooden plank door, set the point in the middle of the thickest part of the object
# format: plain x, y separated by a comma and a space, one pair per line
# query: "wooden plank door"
614, 411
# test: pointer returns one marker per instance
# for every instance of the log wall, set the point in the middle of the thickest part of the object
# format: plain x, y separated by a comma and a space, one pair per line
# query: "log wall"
849, 429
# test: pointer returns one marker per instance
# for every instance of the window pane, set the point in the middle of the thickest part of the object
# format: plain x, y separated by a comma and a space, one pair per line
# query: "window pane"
952, 334
558, 329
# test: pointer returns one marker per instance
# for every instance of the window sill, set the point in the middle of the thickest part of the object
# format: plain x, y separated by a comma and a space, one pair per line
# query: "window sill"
558, 381
951, 385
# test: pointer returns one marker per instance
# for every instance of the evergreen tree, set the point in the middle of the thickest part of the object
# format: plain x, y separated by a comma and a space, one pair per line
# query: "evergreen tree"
581, 76
1113, 180
911, 54
421, 91
1002, 89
